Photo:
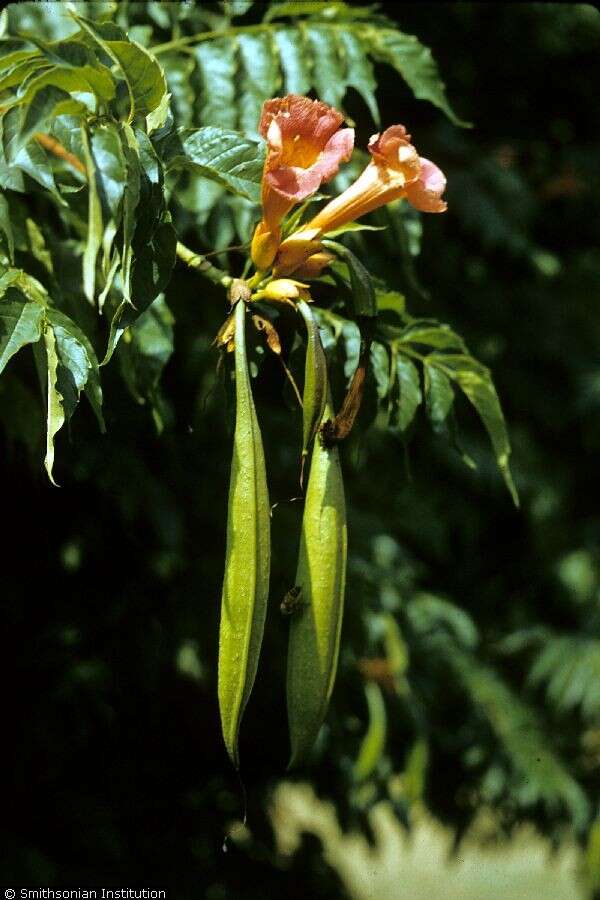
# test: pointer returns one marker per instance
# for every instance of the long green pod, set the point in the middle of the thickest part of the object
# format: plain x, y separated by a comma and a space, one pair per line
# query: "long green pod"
246, 581
314, 638
315, 379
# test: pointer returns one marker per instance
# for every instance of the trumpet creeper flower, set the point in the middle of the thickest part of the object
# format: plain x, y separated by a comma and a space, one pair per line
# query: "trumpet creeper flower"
305, 147
395, 170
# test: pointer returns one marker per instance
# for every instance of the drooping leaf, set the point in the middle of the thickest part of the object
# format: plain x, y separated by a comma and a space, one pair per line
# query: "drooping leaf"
153, 264
415, 64
131, 196
153, 241
20, 324
77, 369
109, 166
439, 395
95, 226
55, 416
409, 392
476, 382
380, 366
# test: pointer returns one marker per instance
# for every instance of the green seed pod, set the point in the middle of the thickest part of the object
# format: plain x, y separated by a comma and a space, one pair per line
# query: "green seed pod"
315, 379
321, 575
246, 582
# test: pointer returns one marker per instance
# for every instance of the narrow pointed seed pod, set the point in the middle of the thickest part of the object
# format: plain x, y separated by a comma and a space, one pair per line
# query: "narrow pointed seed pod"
246, 581
315, 381
321, 576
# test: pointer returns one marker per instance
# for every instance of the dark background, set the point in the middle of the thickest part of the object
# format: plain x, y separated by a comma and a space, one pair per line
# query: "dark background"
116, 771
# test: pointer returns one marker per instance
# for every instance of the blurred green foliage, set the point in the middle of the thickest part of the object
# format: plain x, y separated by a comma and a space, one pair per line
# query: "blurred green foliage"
473, 627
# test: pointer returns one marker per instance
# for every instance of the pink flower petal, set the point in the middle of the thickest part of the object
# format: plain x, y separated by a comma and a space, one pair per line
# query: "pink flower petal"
296, 183
425, 193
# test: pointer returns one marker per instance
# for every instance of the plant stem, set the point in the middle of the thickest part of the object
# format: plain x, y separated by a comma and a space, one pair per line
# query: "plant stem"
201, 264
208, 36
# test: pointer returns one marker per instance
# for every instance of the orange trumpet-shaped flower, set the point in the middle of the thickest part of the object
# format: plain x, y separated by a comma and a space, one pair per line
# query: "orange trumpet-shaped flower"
396, 170
305, 147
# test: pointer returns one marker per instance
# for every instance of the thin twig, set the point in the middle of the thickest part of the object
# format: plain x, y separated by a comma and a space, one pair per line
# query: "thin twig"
199, 263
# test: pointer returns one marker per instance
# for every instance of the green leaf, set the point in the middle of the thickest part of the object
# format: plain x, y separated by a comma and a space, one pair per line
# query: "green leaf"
261, 77
6, 227
16, 74
295, 63
33, 160
538, 774
110, 167
391, 301
409, 392
146, 349
37, 245
234, 161
48, 102
363, 292
20, 324
131, 198
439, 395
217, 66
77, 369
179, 71
153, 263
329, 76
381, 368
476, 382
143, 75
55, 416
14, 51
88, 79
354, 227
414, 63
360, 71
432, 334
95, 227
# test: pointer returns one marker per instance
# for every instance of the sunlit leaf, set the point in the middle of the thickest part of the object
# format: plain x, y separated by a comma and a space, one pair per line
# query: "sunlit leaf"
95, 227
223, 156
